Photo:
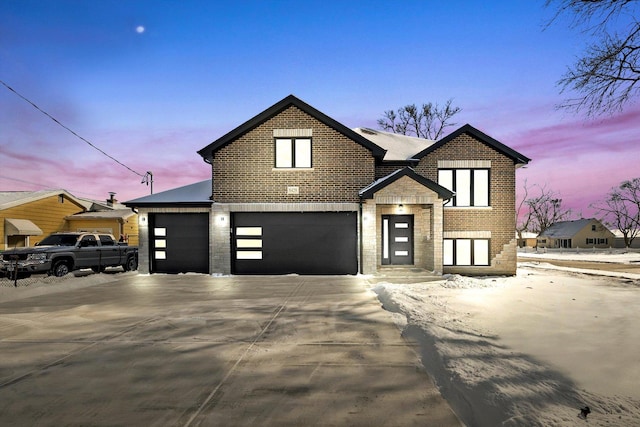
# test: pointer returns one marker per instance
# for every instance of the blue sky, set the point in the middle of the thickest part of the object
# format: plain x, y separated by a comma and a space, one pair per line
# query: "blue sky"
153, 98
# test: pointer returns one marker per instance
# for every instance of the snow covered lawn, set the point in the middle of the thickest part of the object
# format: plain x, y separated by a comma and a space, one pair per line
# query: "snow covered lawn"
528, 350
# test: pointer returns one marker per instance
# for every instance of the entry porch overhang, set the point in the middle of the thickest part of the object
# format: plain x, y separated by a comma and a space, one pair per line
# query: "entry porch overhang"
404, 192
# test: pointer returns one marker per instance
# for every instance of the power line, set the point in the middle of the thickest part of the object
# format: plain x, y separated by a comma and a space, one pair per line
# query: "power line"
72, 132
22, 181
49, 187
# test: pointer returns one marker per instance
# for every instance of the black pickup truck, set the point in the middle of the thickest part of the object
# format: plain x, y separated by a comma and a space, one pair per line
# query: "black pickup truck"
60, 253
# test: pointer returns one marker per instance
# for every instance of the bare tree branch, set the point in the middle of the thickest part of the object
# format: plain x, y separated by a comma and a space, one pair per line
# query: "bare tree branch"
523, 218
545, 210
621, 209
428, 121
607, 76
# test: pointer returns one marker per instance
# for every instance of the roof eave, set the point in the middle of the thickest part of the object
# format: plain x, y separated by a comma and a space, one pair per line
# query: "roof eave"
291, 100
202, 204
442, 192
518, 158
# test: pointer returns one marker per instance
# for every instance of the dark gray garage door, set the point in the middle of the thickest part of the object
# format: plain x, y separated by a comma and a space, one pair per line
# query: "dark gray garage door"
179, 243
303, 243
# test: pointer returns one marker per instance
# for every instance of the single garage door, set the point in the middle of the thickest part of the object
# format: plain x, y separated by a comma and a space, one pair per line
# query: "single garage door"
179, 243
303, 243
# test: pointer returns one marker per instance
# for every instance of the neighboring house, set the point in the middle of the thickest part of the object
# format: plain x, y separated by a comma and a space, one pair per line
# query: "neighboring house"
528, 240
581, 233
295, 191
107, 217
28, 216
122, 223
619, 240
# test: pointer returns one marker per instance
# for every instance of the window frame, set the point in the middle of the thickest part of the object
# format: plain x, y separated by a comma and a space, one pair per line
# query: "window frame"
472, 252
294, 150
470, 191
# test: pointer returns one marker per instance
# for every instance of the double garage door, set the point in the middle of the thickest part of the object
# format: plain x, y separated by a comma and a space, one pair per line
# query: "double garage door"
261, 243
303, 243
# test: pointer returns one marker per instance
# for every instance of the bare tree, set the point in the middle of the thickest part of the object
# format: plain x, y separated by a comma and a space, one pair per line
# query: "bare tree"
428, 121
523, 215
621, 209
607, 76
545, 210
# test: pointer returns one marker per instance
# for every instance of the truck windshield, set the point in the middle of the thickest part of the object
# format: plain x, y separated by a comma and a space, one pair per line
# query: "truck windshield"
59, 240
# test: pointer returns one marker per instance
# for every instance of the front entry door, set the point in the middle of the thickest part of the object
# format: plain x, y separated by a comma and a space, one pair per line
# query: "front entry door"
397, 239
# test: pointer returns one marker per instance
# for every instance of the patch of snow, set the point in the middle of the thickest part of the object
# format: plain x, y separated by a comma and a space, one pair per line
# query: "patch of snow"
527, 350
624, 256
42, 284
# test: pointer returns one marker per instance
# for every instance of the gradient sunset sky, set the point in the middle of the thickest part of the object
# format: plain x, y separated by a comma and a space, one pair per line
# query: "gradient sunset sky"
152, 82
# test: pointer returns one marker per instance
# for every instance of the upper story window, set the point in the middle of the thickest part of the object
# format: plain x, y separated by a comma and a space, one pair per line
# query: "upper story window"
293, 152
471, 186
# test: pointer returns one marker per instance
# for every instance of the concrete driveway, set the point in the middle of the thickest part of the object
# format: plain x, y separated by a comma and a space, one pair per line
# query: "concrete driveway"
193, 350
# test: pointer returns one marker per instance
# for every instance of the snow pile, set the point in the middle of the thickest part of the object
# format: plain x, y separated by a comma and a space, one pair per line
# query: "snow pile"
622, 256
455, 281
529, 350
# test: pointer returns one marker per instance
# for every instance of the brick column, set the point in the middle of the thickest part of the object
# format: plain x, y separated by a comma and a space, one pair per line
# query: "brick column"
220, 241
368, 238
437, 234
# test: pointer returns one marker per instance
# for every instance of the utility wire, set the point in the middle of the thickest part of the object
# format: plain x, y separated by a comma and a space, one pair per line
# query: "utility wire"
46, 187
145, 176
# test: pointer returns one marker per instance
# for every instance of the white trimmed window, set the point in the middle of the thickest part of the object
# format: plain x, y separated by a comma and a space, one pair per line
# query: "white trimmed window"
466, 252
293, 152
471, 186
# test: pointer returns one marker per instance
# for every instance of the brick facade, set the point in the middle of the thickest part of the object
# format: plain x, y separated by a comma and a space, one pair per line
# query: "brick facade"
244, 172
416, 200
349, 174
499, 219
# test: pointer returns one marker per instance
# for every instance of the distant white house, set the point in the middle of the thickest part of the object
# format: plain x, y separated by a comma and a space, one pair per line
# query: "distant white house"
580, 233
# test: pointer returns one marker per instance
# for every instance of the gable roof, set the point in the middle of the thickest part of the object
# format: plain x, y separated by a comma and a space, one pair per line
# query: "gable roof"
207, 152
10, 199
482, 137
104, 214
399, 147
567, 229
194, 195
374, 187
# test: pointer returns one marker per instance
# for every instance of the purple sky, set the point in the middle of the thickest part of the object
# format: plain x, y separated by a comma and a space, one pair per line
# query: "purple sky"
152, 82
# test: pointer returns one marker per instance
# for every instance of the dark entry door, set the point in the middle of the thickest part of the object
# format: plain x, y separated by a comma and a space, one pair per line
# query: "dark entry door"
288, 242
397, 239
179, 243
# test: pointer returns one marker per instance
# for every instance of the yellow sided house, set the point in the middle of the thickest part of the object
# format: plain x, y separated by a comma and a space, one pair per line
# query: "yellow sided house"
121, 223
28, 216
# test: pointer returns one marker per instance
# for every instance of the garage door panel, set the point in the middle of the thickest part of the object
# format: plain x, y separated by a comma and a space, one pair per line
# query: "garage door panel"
179, 243
303, 243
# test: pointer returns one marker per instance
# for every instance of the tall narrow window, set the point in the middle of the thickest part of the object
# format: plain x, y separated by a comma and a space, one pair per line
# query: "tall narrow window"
293, 152
481, 187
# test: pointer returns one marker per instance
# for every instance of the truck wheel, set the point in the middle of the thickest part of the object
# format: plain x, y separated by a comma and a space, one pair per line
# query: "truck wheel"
60, 268
132, 264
